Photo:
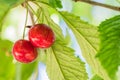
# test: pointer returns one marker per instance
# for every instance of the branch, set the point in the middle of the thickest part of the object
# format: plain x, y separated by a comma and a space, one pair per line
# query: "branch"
100, 4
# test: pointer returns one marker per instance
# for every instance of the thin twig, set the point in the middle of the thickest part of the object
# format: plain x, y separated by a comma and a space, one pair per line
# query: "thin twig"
100, 4
24, 5
31, 14
32, 18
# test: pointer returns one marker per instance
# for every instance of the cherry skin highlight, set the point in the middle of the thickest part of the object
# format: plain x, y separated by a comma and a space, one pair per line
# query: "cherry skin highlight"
23, 51
41, 36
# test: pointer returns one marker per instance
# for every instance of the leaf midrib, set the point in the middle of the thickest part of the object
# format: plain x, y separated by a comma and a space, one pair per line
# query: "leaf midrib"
81, 35
83, 38
79, 32
58, 63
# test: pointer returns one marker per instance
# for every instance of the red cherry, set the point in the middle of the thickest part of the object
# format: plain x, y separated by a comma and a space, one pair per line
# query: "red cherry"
41, 36
24, 51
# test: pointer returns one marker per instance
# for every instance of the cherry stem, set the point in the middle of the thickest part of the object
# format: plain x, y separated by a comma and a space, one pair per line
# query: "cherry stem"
25, 21
39, 13
32, 11
32, 18
100, 4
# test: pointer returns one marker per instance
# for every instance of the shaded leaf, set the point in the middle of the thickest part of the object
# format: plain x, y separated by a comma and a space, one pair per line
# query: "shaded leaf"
55, 3
63, 65
109, 53
25, 71
96, 77
7, 68
52, 3
28, 69
87, 37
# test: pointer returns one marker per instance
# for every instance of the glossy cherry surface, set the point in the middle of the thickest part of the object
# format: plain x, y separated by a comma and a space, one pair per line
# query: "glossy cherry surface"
24, 51
41, 36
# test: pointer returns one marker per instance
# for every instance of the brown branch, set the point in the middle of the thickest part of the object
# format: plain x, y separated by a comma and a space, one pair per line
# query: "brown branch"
100, 4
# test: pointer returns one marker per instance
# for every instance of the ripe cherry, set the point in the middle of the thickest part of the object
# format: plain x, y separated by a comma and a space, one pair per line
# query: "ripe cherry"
24, 51
41, 36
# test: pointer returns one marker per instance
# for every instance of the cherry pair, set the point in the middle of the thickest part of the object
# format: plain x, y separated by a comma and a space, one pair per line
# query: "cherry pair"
40, 36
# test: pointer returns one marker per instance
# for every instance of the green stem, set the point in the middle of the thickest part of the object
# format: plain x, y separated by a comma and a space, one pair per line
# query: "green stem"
39, 14
25, 23
32, 18
32, 11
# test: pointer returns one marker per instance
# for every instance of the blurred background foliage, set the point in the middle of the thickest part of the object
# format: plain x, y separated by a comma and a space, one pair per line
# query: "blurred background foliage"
12, 22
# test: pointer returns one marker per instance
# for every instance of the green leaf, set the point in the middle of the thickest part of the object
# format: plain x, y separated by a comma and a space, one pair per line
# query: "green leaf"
109, 53
67, 38
7, 68
25, 71
28, 69
55, 3
63, 65
96, 77
4, 10
52, 3
82, 9
87, 37
5, 6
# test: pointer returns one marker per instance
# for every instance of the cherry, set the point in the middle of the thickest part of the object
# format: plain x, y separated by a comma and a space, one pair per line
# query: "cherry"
41, 36
23, 51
